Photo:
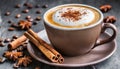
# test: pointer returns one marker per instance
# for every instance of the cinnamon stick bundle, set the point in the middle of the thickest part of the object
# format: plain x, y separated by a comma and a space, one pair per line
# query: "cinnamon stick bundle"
45, 48
16, 43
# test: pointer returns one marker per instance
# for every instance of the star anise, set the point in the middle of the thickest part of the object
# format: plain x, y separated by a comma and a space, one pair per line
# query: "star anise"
13, 55
105, 8
23, 24
23, 61
109, 19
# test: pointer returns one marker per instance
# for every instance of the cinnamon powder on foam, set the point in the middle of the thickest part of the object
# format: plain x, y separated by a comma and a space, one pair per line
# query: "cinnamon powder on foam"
72, 15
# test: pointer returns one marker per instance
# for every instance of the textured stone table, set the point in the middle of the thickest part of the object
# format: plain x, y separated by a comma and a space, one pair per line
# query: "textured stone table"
8, 5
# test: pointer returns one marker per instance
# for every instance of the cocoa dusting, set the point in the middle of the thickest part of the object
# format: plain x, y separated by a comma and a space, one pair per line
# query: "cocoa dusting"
72, 15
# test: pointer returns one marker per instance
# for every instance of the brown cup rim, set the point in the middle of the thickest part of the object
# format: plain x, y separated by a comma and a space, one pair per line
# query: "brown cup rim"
62, 28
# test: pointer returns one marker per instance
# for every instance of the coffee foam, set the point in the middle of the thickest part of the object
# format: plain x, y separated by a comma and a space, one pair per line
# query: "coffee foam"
73, 16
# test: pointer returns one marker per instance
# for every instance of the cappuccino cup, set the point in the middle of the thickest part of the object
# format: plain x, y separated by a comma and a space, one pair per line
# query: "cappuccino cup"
73, 29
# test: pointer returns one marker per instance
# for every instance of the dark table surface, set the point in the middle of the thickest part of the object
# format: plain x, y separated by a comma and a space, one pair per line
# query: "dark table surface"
8, 5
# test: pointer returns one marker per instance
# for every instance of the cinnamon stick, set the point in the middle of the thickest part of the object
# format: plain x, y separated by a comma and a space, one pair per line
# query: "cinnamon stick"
44, 50
16, 43
44, 43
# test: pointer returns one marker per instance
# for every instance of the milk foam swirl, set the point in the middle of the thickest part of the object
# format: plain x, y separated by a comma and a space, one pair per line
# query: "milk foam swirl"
73, 16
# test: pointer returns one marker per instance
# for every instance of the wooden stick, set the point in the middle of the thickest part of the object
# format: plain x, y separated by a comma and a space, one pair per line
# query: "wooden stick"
44, 43
16, 43
44, 50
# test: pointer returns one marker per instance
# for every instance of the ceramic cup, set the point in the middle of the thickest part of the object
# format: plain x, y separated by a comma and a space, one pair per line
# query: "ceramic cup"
77, 41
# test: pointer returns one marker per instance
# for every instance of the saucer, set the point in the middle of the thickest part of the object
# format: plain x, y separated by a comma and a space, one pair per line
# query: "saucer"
95, 56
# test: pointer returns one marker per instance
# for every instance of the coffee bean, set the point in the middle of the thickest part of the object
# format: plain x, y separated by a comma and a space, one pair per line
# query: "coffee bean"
45, 6
25, 11
9, 21
7, 40
18, 15
14, 25
15, 37
2, 44
11, 29
26, 4
13, 40
28, 17
37, 6
35, 23
38, 11
18, 6
7, 13
38, 18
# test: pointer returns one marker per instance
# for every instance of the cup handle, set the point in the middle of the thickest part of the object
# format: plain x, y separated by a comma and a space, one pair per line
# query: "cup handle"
104, 27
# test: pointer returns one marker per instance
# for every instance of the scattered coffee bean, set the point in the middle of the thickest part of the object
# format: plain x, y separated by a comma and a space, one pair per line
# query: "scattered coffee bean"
110, 19
30, 6
26, 4
1, 39
7, 40
13, 40
105, 8
2, 59
18, 6
25, 11
9, 21
38, 11
18, 15
45, 6
38, 18
2, 44
15, 37
35, 23
37, 6
28, 17
7, 13
11, 29
14, 25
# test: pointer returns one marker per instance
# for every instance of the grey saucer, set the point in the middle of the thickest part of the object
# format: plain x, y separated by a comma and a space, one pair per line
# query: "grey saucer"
95, 56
